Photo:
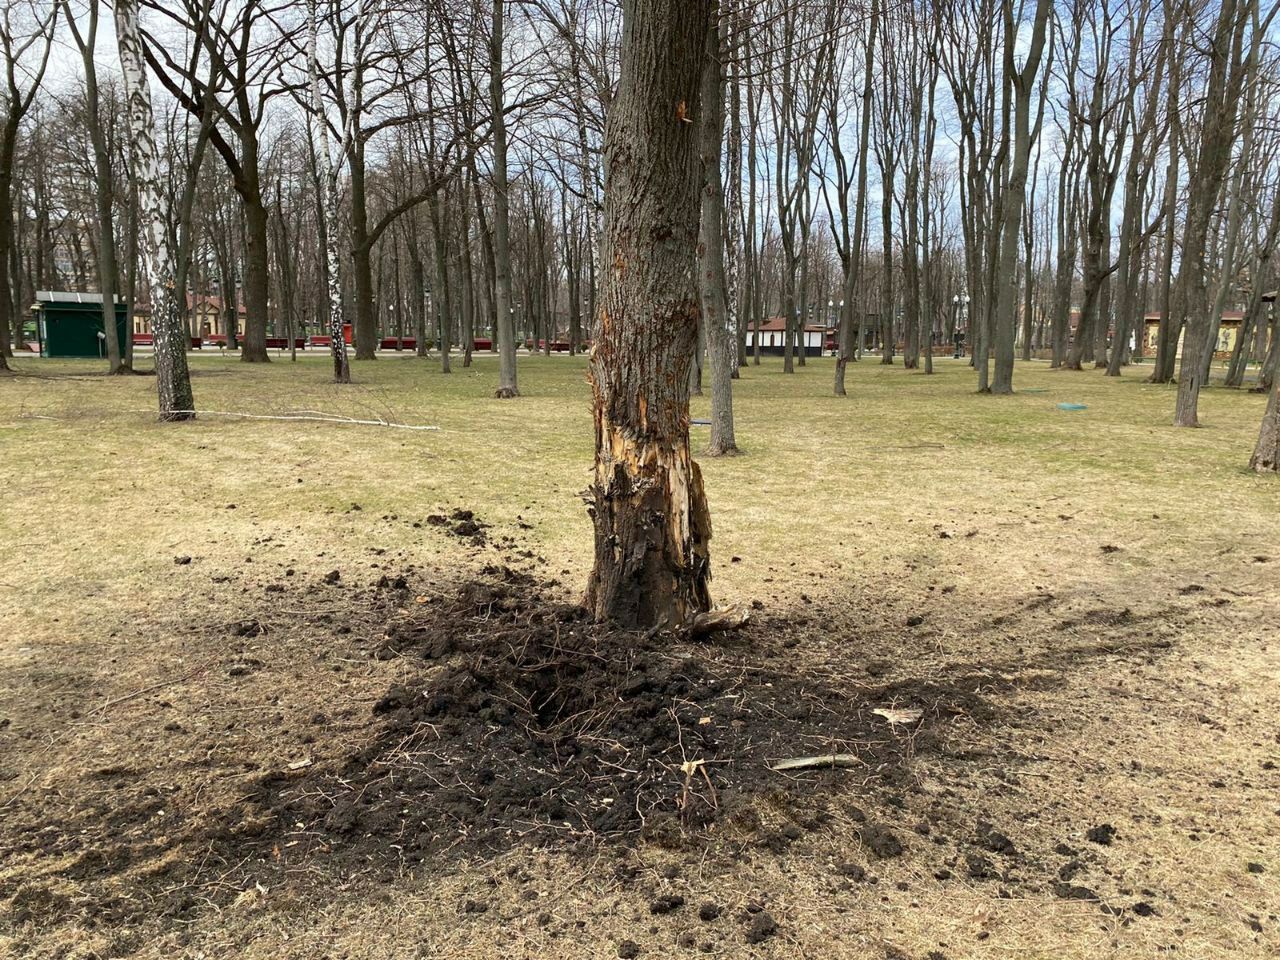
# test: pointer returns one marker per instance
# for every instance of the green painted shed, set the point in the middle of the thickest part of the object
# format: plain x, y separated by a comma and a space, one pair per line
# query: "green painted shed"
70, 324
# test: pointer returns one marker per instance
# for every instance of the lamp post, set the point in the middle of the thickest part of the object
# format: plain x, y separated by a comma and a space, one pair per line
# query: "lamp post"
960, 309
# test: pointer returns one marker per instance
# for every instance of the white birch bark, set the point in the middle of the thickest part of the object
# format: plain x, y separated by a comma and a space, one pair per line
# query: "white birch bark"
328, 207
173, 380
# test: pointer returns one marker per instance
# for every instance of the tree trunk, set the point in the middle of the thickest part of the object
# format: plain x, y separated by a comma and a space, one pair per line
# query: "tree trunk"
468, 280
173, 380
364, 327
328, 197
1221, 102
887, 343
443, 300
651, 521
505, 334
104, 197
1266, 455
7, 317
717, 320
849, 349
253, 349
1015, 195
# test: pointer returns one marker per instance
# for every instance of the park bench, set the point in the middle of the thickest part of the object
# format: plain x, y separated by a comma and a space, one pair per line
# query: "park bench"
143, 340
319, 341
482, 343
404, 343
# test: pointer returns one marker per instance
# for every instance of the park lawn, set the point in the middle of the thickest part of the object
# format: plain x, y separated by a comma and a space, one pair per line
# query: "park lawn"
1107, 584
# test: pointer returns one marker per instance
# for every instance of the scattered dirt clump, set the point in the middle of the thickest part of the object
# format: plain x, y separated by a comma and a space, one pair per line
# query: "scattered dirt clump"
527, 720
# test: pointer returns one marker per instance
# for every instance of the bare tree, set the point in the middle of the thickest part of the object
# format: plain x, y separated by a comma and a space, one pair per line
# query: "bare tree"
1232, 60
1014, 192
86, 42
26, 39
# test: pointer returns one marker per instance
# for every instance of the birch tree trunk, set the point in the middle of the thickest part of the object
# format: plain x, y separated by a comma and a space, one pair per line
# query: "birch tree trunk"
328, 211
717, 317
173, 380
651, 521
443, 298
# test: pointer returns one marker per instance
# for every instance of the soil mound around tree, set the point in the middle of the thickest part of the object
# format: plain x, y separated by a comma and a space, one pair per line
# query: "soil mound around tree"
524, 720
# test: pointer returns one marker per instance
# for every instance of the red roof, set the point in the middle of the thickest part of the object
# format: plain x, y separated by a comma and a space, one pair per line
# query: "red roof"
779, 324
1226, 315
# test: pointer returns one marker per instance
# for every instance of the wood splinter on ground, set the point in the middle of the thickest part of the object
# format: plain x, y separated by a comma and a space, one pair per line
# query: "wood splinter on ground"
896, 716
822, 760
722, 618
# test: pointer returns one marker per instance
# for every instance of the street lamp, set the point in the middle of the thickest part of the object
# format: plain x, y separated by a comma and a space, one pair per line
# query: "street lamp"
959, 306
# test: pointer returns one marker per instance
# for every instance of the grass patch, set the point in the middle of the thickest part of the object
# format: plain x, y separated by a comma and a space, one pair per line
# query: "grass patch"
1080, 600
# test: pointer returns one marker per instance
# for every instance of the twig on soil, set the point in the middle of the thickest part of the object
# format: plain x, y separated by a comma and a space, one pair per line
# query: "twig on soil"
823, 760
157, 686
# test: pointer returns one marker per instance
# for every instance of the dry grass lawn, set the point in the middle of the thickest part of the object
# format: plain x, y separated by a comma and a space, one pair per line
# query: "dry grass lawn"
1104, 586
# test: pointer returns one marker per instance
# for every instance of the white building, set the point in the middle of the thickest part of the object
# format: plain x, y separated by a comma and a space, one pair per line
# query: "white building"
772, 335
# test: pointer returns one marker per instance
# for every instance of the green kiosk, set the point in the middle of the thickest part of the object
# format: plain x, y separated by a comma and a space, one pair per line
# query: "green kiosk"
70, 324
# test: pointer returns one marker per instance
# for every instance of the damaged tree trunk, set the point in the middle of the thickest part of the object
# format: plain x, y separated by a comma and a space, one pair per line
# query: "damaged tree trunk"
647, 503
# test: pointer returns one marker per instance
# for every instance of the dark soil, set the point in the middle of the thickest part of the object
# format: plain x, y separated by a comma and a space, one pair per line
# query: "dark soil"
527, 721
517, 721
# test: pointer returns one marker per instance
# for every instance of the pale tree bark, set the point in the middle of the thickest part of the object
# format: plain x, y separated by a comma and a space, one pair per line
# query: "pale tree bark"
736, 289
443, 298
173, 380
328, 196
652, 525
466, 267
717, 317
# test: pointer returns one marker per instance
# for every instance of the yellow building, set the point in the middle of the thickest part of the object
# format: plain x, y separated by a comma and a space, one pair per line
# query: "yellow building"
1228, 330
204, 317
